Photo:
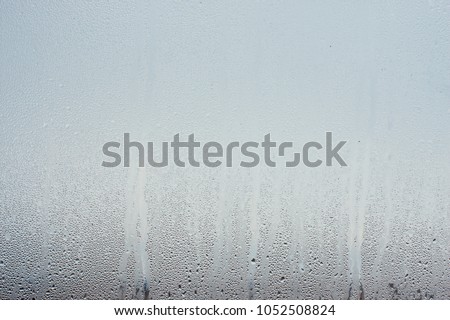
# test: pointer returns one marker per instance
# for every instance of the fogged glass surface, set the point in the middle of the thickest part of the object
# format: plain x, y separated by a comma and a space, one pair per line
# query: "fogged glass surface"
76, 75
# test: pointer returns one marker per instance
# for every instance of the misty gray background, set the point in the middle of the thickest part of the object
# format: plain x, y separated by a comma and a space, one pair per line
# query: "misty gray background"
74, 75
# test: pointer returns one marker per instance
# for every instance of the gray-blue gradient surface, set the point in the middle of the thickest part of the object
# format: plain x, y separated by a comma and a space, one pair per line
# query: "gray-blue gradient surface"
74, 75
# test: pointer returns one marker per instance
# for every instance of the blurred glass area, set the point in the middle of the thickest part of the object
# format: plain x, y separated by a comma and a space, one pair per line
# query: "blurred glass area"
74, 75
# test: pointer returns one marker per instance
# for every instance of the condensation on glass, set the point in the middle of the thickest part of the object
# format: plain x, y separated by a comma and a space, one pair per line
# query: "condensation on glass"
76, 75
